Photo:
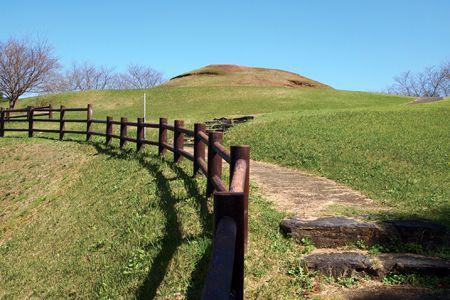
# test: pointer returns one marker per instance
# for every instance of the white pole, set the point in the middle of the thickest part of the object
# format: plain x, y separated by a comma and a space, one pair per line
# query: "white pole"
145, 113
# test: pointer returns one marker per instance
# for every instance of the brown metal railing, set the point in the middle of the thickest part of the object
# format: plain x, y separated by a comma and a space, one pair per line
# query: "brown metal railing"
225, 276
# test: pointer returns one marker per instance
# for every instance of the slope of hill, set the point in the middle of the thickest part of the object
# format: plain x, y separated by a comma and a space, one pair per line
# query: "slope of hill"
234, 75
91, 221
394, 152
397, 155
355, 138
202, 103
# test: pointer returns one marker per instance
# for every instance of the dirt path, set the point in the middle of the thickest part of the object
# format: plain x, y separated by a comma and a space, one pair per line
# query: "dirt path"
422, 100
302, 194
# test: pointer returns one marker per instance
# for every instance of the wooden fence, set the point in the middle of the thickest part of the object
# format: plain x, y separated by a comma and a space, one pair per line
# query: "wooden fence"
42, 111
225, 276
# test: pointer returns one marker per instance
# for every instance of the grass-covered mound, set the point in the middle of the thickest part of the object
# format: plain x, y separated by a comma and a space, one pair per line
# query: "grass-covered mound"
398, 155
395, 152
202, 103
234, 75
82, 234
87, 221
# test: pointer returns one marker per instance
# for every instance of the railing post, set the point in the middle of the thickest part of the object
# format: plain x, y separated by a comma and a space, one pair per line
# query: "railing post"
50, 111
61, 122
232, 205
178, 141
139, 134
30, 114
89, 122
237, 153
2, 123
199, 146
214, 161
162, 139
109, 129
123, 131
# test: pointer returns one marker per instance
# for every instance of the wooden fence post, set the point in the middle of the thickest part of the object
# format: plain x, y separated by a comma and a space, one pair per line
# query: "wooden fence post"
199, 146
123, 131
89, 122
30, 115
214, 161
61, 122
140, 134
227, 204
178, 141
2, 123
109, 129
237, 153
162, 136
50, 111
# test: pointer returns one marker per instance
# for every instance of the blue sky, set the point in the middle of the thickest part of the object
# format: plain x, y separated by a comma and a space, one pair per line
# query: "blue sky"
354, 45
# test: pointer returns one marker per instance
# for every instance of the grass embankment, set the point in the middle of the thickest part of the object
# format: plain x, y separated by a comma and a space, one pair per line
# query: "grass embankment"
203, 103
398, 155
394, 152
84, 220
140, 226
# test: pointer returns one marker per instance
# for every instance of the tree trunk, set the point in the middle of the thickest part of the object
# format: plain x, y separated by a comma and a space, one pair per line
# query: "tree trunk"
12, 103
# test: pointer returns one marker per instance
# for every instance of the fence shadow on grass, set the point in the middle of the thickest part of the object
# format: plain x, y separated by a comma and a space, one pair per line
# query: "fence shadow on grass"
199, 272
172, 238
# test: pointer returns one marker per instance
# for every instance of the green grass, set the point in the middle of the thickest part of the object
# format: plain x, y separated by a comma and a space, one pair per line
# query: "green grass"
202, 103
397, 155
142, 227
97, 222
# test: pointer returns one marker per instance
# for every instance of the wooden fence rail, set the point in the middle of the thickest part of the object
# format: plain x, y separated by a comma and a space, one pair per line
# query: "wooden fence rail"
225, 276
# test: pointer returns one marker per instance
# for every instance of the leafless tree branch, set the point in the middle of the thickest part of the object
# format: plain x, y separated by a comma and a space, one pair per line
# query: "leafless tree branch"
25, 66
434, 81
139, 77
90, 77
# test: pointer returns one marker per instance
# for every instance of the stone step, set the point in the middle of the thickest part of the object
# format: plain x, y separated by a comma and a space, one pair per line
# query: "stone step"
398, 292
351, 263
332, 232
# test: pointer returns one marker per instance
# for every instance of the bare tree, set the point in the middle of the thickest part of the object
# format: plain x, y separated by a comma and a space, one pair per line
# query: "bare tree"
81, 77
434, 81
139, 77
55, 83
90, 77
86, 76
24, 67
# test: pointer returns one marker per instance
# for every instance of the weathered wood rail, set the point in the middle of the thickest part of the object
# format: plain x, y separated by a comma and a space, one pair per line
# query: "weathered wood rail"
225, 276
42, 111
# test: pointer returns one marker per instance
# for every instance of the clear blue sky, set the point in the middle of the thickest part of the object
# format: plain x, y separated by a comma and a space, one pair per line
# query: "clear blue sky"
355, 45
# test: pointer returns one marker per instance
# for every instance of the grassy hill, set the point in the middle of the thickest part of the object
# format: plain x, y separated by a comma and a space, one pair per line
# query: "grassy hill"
93, 221
394, 152
398, 155
107, 233
202, 103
